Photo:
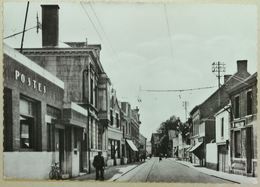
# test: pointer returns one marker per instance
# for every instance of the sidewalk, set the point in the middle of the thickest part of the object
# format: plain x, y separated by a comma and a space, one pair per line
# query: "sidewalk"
111, 173
227, 176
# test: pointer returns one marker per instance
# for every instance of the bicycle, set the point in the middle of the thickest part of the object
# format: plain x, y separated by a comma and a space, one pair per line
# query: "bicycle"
55, 171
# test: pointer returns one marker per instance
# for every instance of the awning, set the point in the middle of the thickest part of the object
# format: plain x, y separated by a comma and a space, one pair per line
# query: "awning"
188, 149
195, 147
132, 145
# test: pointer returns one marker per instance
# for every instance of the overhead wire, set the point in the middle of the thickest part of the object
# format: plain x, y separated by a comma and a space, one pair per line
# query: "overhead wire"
168, 29
20, 32
93, 24
103, 30
178, 90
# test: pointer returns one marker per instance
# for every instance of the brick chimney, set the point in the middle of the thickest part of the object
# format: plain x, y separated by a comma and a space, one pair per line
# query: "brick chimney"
241, 66
50, 25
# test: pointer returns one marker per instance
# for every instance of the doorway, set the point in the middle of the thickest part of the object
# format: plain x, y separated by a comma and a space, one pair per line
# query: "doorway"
249, 149
61, 149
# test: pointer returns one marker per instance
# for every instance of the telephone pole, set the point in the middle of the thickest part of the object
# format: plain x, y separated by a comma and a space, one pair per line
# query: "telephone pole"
185, 105
218, 68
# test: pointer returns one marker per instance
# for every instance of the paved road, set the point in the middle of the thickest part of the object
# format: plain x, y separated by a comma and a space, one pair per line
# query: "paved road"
167, 170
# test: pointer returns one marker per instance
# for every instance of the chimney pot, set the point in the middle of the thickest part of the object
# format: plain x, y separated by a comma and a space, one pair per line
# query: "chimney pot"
242, 66
50, 25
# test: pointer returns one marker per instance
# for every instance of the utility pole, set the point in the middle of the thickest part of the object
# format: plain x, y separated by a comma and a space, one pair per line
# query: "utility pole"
185, 105
24, 26
218, 68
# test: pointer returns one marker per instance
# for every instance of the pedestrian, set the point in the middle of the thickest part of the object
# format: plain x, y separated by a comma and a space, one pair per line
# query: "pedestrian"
99, 164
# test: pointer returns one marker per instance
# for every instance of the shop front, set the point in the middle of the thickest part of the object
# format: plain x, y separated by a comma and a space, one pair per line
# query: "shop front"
114, 146
75, 120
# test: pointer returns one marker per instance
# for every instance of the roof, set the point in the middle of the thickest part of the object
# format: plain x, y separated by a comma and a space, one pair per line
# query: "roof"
194, 109
243, 84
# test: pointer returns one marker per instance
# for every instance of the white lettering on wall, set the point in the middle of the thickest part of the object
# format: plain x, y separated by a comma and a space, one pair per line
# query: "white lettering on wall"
30, 82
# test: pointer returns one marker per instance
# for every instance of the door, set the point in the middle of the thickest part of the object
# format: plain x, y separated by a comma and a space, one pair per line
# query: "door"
61, 149
249, 149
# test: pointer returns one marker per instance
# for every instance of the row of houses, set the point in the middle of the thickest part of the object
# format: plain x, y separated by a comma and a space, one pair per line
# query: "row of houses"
60, 106
222, 130
223, 135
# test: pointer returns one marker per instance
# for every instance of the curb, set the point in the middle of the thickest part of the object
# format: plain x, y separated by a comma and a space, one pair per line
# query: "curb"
128, 171
210, 174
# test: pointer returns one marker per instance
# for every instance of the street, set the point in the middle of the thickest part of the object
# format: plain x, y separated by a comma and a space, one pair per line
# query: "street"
167, 170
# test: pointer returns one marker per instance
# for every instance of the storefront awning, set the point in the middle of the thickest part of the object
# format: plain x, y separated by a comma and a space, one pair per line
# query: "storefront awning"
188, 149
132, 145
195, 147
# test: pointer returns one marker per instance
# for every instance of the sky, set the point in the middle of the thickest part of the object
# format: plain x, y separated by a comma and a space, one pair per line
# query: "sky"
153, 46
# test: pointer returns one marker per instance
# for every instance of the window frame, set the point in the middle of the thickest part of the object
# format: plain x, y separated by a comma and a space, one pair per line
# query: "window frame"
237, 144
247, 101
237, 106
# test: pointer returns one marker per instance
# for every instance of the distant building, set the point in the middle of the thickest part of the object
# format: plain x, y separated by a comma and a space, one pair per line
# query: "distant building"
174, 143
243, 127
130, 148
148, 148
114, 133
155, 142
142, 146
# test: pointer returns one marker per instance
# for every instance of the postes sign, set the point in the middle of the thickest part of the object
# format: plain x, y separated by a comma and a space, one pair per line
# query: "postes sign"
40, 87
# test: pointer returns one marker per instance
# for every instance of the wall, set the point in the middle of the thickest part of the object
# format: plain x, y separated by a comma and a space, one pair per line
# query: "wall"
211, 156
27, 165
224, 114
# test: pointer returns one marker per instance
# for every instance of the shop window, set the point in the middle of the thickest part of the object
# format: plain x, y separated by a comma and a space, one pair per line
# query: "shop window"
118, 148
26, 132
236, 107
27, 123
249, 103
237, 143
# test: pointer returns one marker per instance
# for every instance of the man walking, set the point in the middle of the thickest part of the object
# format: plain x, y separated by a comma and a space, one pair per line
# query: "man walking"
99, 164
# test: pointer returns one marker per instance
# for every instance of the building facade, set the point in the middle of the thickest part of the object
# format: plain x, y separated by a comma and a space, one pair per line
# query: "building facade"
142, 146
203, 114
243, 127
115, 135
33, 128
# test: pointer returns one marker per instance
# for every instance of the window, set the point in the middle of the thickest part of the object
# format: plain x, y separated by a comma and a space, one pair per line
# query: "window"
237, 143
236, 107
99, 139
91, 134
96, 96
111, 118
85, 85
26, 132
91, 92
117, 120
123, 131
27, 123
222, 127
249, 103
